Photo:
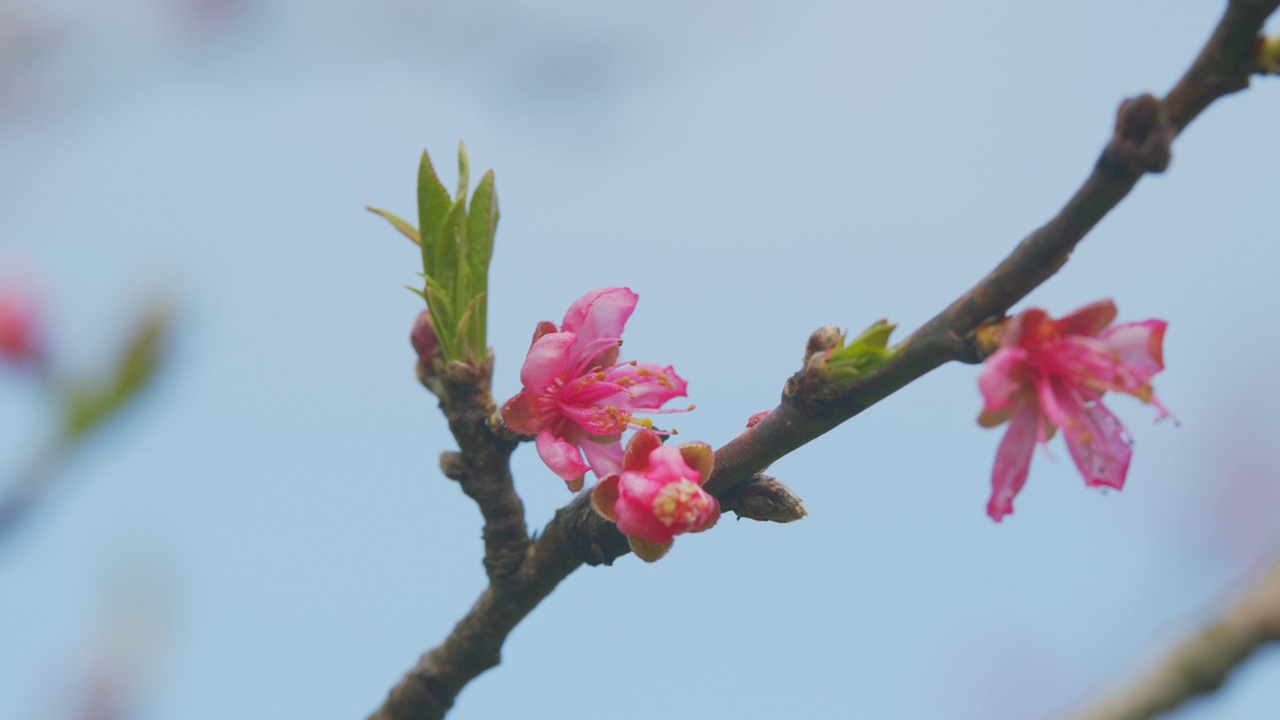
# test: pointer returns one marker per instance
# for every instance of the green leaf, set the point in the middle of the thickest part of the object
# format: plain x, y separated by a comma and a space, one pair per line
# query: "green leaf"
464, 172
433, 204
472, 345
865, 353
88, 404
462, 294
441, 318
482, 225
446, 258
405, 228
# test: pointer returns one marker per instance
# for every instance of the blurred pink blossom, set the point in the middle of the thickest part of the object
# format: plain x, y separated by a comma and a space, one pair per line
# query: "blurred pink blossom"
1050, 374
19, 326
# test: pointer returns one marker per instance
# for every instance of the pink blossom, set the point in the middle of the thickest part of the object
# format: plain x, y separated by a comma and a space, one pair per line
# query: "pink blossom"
577, 397
1049, 374
19, 336
659, 493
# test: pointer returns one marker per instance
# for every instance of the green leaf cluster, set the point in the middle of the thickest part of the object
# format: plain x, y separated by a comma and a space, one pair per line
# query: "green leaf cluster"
864, 354
457, 245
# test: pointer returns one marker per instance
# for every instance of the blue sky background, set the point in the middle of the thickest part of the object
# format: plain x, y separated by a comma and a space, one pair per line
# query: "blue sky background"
267, 535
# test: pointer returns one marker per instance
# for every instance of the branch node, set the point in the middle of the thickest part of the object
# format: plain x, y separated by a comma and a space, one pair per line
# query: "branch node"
454, 466
1143, 137
499, 428
592, 539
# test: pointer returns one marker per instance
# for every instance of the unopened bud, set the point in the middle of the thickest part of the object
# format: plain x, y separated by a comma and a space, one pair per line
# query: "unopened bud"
453, 466
764, 498
424, 339
1143, 136
823, 339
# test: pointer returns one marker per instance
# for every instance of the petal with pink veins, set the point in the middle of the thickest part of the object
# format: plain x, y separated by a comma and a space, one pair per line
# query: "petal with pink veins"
599, 314
1099, 445
649, 385
1003, 378
521, 414
1088, 320
603, 455
1139, 346
547, 360
1013, 461
563, 457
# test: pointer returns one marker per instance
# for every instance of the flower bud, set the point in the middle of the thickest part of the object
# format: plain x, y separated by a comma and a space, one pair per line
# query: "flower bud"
659, 494
424, 339
823, 339
1143, 136
454, 466
764, 498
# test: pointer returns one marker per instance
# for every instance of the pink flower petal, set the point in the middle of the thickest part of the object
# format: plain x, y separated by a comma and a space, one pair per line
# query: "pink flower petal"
599, 314
596, 419
1025, 328
563, 457
1099, 445
649, 385
1088, 320
548, 359
1013, 461
1139, 346
603, 457
521, 414
1003, 378
636, 519
19, 326
666, 465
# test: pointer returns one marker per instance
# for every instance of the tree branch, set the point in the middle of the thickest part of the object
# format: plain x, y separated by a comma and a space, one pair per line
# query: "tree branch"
576, 535
483, 467
1223, 67
1202, 663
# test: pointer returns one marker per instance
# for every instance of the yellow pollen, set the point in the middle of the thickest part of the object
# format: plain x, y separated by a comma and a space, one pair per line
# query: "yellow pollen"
610, 418
678, 502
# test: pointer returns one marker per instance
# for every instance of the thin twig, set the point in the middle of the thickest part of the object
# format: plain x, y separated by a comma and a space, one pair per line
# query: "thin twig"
1203, 662
577, 535
22, 495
